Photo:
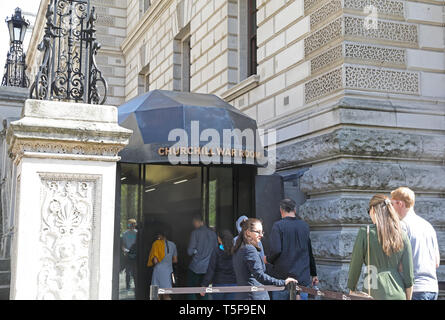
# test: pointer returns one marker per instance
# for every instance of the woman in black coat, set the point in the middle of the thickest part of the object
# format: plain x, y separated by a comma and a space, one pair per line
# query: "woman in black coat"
220, 271
247, 263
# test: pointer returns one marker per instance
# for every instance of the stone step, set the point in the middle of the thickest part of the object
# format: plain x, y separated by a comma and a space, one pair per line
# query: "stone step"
4, 292
5, 278
5, 265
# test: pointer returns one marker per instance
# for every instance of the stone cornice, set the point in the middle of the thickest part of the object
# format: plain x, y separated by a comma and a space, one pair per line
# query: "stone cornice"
144, 24
67, 130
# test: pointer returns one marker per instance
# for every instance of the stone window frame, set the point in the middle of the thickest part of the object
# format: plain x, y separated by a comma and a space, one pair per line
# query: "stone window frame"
247, 28
144, 80
182, 60
144, 73
144, 5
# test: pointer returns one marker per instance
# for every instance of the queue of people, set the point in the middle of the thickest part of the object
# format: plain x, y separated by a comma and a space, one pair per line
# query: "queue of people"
399, 249
400, 246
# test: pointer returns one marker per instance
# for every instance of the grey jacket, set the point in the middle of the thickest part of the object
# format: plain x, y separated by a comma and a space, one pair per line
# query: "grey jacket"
202, 242
251, 271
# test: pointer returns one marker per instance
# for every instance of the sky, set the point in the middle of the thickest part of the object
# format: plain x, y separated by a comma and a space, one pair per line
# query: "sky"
7, 9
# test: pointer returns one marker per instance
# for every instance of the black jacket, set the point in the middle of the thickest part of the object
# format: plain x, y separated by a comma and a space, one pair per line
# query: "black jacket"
291, 251
220, 269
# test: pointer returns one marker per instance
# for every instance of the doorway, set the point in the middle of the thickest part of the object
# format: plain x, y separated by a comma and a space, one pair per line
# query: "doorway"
166, 197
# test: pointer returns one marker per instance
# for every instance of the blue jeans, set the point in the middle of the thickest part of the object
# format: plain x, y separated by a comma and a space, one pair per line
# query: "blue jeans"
223, 296
425, 296
284, 295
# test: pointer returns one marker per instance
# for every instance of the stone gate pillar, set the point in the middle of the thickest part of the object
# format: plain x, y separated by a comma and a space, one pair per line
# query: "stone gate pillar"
66, 156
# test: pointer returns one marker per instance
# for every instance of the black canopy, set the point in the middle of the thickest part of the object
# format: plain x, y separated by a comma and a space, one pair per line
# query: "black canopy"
154, 114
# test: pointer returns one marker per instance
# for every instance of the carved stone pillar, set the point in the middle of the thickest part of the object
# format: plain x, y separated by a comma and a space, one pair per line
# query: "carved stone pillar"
66, 156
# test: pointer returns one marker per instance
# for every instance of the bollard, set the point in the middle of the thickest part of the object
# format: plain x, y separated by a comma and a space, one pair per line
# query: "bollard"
292, 287
154, 293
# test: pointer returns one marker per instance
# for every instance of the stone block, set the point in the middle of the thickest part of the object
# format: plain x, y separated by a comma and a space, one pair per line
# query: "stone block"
326, 84
432, 85
298, 73
431, 37
289, 56
275, 44
333, 245
251, 112
294, 98
422, 59
382, 80
334, 277
367, 175
265, 31
386, 31
266, 69
325, 13
276, 84
424, 12
266, 110
273, 6
297, 30
321, 38
289, 14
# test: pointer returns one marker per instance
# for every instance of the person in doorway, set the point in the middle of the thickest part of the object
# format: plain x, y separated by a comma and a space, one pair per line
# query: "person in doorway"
163, 255
238, 228
426, 257
387, 254
248, 265
291, 251
129, 251
201, 245
220, 271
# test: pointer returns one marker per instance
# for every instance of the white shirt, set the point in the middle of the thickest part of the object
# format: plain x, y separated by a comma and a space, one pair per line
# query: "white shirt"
425, 251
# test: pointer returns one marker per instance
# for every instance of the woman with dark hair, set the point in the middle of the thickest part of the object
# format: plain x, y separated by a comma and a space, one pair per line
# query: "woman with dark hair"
249, 267
163, 254
220, 271
384, 247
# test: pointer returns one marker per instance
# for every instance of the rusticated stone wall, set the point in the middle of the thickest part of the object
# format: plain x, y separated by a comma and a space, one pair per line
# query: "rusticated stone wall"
365, 117
347, 165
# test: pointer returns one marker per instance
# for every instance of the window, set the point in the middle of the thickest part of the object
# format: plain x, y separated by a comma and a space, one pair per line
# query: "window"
247, 39
251, 36
182, 62
143, 6
186, 65
143, 83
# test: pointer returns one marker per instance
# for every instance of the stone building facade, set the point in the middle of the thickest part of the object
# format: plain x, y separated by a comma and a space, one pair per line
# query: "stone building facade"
355, 90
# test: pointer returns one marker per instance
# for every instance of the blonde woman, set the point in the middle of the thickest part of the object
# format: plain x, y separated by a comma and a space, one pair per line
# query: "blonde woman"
390, 256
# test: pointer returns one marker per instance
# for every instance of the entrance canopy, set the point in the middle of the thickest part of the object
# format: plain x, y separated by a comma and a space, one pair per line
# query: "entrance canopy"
155, 115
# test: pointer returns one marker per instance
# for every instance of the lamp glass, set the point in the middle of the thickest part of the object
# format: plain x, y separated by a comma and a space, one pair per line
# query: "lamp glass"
11, 30
17, 33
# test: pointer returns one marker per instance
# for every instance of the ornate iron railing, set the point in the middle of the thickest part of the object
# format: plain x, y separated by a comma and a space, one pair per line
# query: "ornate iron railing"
69, 70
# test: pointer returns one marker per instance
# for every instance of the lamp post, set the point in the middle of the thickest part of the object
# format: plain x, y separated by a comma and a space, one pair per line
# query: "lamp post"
15, 68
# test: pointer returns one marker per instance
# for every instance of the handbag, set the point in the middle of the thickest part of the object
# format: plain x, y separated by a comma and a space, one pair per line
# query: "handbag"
173, 276
361, 293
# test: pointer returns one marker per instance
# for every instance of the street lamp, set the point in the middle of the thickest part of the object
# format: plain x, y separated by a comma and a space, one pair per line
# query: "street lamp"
17, 26
15, 67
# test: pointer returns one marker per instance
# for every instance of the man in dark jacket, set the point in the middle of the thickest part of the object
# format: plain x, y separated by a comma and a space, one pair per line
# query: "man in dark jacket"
291, 250
201, 245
